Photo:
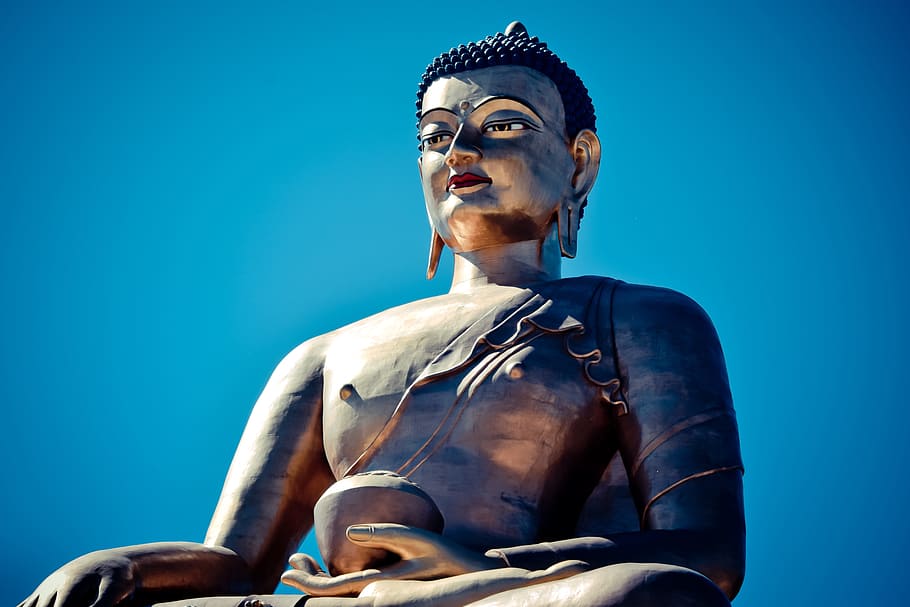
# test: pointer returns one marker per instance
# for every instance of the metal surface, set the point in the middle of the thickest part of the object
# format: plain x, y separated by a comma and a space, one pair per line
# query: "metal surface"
505, 400
366, 497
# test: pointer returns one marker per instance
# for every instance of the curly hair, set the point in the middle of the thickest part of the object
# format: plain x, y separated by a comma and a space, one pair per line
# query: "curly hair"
515, 47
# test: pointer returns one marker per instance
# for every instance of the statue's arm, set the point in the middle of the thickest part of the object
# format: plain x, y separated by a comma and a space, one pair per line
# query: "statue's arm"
679, 443
278, 473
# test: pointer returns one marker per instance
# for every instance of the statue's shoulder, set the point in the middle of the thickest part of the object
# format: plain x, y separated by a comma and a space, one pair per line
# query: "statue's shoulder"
393, 326
649, 305
313, 350
304, 362
628, 306
659, 319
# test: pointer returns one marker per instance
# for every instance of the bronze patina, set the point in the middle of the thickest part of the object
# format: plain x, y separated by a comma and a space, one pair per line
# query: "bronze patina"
522, 439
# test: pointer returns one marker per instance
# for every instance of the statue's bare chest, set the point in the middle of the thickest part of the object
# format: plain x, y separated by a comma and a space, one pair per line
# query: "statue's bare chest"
498, 423
370, 365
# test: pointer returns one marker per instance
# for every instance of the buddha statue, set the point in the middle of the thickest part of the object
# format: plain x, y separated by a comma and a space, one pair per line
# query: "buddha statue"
561, 441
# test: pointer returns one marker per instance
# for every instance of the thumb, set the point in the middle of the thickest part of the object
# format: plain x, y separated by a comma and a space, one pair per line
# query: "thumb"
407, 542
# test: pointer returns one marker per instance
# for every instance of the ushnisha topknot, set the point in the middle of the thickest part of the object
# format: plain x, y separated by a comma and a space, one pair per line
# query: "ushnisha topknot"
515, 47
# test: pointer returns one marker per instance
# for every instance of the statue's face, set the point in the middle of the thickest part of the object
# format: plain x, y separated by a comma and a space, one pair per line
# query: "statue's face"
495, 161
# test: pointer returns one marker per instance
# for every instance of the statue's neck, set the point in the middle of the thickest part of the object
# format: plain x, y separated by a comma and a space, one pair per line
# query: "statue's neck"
514, 264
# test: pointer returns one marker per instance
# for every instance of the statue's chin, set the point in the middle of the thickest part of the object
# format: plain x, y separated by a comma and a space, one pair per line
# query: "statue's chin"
471, 231
370, 497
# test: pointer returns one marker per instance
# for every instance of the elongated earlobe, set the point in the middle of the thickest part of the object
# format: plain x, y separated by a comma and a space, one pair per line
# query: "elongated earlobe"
567, 221
586, 154
436, 246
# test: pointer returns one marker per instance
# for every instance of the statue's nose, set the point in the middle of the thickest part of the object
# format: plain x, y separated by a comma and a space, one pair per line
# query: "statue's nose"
464, 148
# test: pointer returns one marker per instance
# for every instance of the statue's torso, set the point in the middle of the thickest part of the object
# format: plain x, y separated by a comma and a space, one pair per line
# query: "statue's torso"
508, 444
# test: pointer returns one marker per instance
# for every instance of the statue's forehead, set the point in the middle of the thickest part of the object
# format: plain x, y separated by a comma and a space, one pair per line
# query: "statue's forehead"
517, 82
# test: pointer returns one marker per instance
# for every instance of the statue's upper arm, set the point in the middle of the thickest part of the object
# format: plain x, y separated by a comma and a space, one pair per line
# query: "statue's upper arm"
279, 469
679, 441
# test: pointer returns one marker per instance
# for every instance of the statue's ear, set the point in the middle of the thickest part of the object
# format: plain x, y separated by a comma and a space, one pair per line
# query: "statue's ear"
586, 153
585, 150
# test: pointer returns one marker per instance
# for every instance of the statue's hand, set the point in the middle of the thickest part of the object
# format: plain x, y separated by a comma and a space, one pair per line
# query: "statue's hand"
424, 556
452, 591
461, 589
98, 579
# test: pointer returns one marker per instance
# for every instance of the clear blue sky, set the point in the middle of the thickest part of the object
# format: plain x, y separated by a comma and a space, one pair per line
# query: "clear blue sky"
188, 190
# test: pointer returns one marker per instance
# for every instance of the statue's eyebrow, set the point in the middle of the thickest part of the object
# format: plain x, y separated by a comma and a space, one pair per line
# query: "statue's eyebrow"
527, 105
435, 109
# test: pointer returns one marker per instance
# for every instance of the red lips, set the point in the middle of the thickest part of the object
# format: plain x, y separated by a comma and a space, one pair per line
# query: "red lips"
466, 180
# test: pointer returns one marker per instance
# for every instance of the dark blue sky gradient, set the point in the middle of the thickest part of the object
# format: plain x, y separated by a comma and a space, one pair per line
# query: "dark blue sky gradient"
189, 192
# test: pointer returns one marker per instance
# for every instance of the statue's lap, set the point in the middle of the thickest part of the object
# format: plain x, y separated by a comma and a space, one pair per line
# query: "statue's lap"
620, 585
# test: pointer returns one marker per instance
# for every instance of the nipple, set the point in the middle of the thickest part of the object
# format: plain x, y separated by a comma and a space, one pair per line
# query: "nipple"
515, 370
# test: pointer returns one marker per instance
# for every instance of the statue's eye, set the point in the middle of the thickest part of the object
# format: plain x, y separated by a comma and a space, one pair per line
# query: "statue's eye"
434, 140
500, 127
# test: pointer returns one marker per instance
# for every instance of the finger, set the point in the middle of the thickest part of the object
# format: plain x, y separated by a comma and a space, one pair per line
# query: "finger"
47, 601
305, 562
323, 585
30, 601
560, 570
107, 594
405, 541
63, 596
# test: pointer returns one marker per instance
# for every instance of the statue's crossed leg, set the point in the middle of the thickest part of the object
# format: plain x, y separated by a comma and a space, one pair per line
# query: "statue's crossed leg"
620, 585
